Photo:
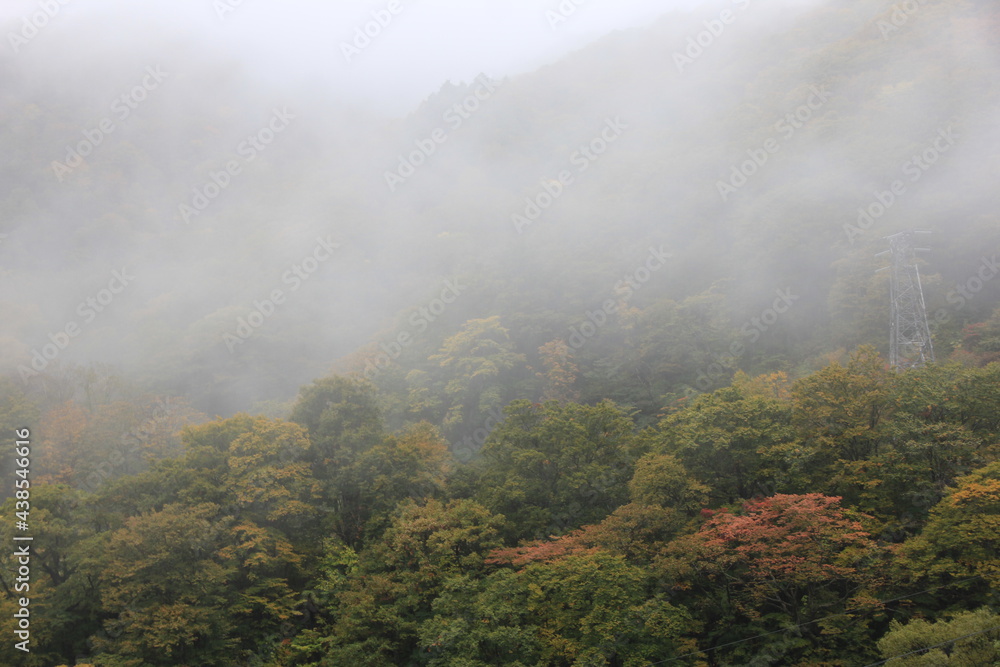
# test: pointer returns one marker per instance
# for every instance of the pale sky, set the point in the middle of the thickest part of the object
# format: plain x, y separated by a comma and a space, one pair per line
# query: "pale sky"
427, 42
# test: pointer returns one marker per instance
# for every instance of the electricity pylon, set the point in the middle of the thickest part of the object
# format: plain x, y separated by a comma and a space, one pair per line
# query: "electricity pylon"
910, 335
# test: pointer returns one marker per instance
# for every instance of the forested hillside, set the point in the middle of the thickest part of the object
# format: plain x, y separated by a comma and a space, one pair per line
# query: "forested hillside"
834, 520
884, 99
582, 366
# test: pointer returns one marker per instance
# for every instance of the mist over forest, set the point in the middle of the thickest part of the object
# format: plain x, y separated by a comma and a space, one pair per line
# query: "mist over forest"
684, 127
404, 249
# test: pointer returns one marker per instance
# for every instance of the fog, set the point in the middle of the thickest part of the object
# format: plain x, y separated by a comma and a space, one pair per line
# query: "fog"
269, 194
299, 43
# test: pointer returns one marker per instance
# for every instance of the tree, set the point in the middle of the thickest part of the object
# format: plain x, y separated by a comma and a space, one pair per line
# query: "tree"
342, 417
377, 607
982, 340
896, 465
787, 560
252, 467
661, 479
909, 475
191, 585
978, 396
769, 385
17, 411
560, 373
660, 349
58, 456
269, 479
857, 301
553, 467
637, 532
962, 536
728, 440
411, 465
124, 438
585, 609
64, 609
839, 413
164, 587
931, 392
479, 362
344, 422
964, 639
479, 622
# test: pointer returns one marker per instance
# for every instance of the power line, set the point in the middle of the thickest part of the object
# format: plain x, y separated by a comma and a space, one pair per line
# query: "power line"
928, 648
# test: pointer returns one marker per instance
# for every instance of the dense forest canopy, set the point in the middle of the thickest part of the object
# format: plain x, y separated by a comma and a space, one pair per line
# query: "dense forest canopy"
583, 365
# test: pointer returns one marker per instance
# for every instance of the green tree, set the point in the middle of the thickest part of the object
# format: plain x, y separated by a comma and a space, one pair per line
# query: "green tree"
908, 476
480, 362
64, 609
190, 585
839, 415
411, 465
729, 440
342, 417
57, 456
962, 536
661, 348
254, 468
377, 605
124, 438
964, 639
588, 609
661, 479
344, 422
554, 467
164, 586
978, 397
479, 622
17, 411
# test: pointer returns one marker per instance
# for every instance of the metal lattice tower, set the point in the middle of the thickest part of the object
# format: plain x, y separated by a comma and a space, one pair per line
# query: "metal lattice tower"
910, 335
